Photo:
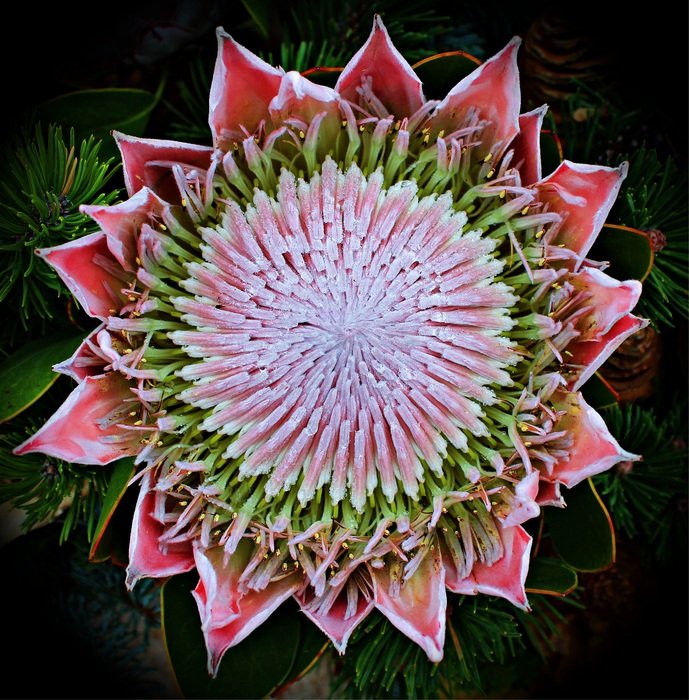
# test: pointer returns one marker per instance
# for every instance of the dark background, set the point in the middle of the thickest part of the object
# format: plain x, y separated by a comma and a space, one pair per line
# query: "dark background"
639, 649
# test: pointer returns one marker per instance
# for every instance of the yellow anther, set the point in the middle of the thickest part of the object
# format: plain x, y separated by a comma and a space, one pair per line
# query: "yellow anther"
426, 138
488, 157
539, 234
525, 210
216, 517
159, 443
257, 539
138, 260
202, 516
490, 173
138, 422
184, 503
345, 545
302, 135
184, 201
301, 547
132, 413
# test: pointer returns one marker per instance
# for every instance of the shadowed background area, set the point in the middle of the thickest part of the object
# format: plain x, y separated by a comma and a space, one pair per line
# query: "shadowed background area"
70, 629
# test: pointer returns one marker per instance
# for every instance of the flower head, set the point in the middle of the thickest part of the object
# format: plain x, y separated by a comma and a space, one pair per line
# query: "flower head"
344, 344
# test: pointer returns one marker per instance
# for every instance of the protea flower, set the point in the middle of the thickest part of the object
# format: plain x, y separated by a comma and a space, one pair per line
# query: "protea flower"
345, 343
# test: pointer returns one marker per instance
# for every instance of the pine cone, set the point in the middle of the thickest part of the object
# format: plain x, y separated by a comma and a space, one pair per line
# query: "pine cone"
559, 50
633, 366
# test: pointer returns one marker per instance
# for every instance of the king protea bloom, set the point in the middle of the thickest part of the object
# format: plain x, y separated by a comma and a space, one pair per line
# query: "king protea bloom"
344, 344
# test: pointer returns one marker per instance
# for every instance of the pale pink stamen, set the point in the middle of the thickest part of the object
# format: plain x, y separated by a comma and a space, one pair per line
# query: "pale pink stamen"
345, 332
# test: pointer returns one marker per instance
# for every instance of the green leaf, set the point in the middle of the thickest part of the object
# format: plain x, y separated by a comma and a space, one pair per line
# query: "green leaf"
599, 394
98, 112
27, 374
252, 669
551, 151
440, 73
260, 11
629, 251
312, 645
582, 532
550, 577
122, 472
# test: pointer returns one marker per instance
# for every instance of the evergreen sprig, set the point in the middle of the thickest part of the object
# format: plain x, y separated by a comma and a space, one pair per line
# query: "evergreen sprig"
381, 662
45, 178
654, 199
190, 121
46, 488
642, 496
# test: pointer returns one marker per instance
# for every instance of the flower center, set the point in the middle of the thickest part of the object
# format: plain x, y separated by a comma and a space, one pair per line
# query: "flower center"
344, 334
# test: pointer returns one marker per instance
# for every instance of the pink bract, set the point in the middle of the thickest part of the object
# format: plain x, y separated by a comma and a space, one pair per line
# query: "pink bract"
345, 344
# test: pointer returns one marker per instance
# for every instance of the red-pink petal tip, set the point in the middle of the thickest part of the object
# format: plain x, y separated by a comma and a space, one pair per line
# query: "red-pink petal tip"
393, 80
527, 145
83, 430
243, 86
492, 92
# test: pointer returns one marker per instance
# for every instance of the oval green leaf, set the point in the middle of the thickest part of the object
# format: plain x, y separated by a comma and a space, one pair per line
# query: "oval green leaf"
27, 374
599, 394
440, 73
99, 112
252, 669
550, 577
312, 645
582, 533
628, 250
123, 471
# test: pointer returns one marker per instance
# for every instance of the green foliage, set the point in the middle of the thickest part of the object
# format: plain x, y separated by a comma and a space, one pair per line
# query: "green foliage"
254, 668
582, 533
415, 30
654, 196
383, 663
643, 496
28, 373
310, 54
591, 127
46, 488
190, 107
45, 179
